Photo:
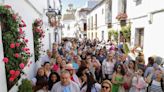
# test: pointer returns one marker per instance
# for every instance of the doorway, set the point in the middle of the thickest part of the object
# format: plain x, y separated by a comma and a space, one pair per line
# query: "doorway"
139, 37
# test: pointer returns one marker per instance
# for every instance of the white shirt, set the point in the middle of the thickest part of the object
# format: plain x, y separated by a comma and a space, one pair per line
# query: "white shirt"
58, 87
108, 67
45, 59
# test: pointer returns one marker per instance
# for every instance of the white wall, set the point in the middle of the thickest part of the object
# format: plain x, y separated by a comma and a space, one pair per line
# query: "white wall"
29, 10
28, 14
101, 26
153, 44
3, 85
139, 16
69, 33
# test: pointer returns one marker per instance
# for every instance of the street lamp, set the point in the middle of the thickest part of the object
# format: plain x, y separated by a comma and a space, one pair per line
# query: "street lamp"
54, 16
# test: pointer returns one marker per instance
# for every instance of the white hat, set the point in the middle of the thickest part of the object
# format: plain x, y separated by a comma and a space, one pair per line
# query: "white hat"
69, 67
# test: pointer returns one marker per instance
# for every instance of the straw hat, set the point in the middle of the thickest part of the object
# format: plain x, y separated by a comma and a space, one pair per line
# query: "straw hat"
69, 67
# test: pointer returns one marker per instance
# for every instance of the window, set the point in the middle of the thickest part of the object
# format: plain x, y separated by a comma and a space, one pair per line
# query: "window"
122, 6
102, 11
108, 12
138, 2
92, 23
85, 26
139, 37
92, 36
68, 27
95, 21
96, 34
102, 35
88, 24
49, 38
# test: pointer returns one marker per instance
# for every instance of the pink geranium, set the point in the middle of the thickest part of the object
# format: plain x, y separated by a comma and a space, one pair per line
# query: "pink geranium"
12, 72
5, 59
26, 40
11, 79
16, 55
14, 16
12, 45
7, 6
17, 44
28, 53
21, 65
17, 73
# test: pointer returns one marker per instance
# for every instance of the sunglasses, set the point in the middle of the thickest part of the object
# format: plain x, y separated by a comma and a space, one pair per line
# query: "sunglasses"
105, 87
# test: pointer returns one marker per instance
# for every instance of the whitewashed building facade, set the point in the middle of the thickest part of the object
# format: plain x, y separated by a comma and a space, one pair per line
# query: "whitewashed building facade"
146, 17
96, 22
69, 23
29, 10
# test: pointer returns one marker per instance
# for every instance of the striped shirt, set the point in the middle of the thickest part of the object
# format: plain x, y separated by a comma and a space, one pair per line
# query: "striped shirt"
155, 86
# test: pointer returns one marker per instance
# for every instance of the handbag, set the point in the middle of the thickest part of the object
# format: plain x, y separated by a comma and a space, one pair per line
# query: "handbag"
126, 86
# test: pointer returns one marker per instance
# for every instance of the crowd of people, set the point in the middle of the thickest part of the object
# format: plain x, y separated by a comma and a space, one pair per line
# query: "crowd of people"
83, 66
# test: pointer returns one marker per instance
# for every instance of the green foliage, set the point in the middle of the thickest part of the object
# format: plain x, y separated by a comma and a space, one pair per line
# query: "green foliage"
126, 48
38, 34
113, 33
126, 32
12, 33
26, 86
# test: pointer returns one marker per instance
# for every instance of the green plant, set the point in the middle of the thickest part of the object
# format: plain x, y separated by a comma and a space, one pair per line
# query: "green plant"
126, 32
16, 53
38, 34
26, 86
113, 33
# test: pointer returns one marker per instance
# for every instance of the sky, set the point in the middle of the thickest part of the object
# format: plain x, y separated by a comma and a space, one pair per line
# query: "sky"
76, 4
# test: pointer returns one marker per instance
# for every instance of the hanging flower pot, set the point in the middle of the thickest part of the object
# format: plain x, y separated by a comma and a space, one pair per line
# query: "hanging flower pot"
121, 16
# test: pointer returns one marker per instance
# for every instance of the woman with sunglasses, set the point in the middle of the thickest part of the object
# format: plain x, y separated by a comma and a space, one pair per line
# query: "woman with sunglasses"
106, 86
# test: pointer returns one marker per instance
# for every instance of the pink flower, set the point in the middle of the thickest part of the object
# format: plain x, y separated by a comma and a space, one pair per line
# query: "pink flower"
27, 52
24, 49
21, 65
14, 16
26, 40
11, 79
12, 45
22, 21
30, 62
5, 59
20, 32
17, 72
27, 49
16, 55
12, 72
37, 30
7, 6
17, 44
